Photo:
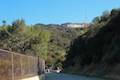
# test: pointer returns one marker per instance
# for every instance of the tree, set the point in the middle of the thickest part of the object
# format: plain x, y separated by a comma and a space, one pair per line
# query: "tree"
105, 16
115, 12
96, 20
4, 22
19, 25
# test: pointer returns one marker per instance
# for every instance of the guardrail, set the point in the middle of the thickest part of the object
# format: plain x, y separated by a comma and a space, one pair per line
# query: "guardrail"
15, 66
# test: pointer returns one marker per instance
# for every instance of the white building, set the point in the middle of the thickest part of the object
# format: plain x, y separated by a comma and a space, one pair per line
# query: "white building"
75, 25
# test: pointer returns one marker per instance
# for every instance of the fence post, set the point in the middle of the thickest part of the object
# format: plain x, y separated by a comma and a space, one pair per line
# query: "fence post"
12, 60
28, 64
43, 66
34, 66
21, 65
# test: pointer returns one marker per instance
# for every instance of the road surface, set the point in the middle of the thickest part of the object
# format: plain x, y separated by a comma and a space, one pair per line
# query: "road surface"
61, 76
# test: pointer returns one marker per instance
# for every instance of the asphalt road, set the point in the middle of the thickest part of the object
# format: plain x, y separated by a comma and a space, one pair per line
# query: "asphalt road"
61, 76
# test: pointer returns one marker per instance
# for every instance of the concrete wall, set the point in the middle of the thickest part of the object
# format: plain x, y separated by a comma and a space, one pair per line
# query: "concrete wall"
32, 78
41, 77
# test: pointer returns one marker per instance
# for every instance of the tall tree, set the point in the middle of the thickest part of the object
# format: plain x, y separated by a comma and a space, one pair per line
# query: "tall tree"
19, 25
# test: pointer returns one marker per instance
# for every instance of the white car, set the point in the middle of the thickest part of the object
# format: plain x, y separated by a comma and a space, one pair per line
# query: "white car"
56, 71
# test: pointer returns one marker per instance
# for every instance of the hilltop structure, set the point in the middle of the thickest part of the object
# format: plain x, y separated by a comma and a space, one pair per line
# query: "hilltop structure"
75, 25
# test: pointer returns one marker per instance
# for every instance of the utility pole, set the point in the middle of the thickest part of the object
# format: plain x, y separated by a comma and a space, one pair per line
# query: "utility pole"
85, 18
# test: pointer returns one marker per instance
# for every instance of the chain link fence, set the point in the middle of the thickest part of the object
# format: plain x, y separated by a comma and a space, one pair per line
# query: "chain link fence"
14, 66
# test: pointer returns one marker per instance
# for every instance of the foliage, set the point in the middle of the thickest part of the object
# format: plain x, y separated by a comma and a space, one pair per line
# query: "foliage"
47, 41
99, 48
24, 39
59, 43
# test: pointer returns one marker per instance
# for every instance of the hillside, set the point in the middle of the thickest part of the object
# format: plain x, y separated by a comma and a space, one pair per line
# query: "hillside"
98, 52
50, 42
59, 43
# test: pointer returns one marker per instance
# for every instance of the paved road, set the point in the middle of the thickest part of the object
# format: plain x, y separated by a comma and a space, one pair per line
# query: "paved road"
61, 76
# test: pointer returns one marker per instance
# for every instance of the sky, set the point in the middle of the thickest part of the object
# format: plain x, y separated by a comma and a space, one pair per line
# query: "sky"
54, 11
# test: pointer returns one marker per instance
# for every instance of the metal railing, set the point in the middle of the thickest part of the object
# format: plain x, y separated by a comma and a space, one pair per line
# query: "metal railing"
15, 66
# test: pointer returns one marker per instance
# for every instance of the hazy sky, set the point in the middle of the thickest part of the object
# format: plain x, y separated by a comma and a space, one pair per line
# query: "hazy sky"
54, 11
